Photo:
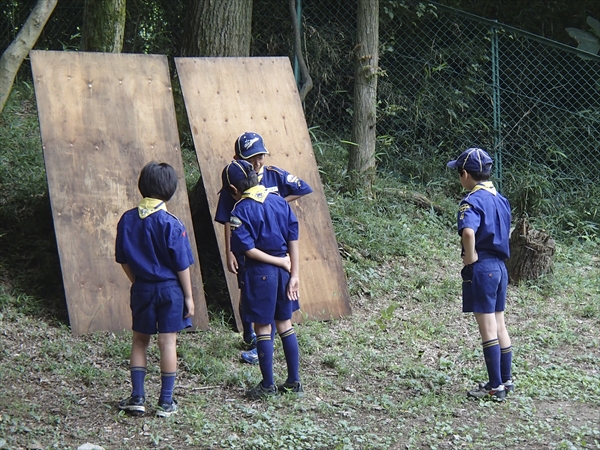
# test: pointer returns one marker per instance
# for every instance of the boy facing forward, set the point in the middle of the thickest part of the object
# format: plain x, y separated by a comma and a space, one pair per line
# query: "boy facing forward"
484, 225
264, 234
249, 146
153, 248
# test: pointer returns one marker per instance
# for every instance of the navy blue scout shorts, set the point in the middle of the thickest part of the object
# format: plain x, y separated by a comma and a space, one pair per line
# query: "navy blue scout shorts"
484, 286
158, 306
264, 289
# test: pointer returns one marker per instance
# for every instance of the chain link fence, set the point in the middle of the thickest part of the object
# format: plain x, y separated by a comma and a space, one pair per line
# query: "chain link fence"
448, 81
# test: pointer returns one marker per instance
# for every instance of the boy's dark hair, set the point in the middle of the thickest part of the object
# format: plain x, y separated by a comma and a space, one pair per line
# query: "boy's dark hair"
250, 181
477, 176
158, 181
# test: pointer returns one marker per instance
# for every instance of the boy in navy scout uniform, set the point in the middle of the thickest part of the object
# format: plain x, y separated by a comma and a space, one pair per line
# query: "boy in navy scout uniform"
264, 235
250, 147
484, 224
153, 248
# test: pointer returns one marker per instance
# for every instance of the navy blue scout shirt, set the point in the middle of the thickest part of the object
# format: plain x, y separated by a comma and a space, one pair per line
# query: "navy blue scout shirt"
263, 221
153, 242
488, 213
275, 180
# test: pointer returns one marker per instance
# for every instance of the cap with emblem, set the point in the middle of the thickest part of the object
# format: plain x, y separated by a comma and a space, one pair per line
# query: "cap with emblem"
250, 144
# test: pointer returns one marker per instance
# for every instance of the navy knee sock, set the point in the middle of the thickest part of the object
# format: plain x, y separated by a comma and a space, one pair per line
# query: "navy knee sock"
264, 348
506, 363
289, 341
138, 376
167, 385
491, 353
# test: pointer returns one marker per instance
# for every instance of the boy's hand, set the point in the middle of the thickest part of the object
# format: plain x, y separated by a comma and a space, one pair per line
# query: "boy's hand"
189, 305
287, 263
232, 264
292, 288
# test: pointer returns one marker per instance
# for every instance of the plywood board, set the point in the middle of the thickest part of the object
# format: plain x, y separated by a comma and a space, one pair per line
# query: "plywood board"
225, 97
102, 118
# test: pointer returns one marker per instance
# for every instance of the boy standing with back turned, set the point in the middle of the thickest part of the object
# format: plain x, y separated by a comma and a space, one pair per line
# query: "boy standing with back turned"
249, 146
153, 248
484, 224
264, 234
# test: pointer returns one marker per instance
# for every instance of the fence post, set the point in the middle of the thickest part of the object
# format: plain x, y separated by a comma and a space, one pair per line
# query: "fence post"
497, 110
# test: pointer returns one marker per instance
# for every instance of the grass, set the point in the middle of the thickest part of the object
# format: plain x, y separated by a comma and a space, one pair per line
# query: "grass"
392, 375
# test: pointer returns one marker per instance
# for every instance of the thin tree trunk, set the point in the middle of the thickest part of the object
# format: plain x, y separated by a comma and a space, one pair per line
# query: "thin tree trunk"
361, 164
103, 26
307, 83
18, 50
218, 28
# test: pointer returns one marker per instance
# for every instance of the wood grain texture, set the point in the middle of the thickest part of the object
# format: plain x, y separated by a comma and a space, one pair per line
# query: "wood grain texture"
102, 117
225, 97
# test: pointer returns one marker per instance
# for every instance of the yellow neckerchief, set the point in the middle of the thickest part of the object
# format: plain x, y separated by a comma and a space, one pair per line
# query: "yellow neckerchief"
260, 173
486, 186
149, 206
257, 193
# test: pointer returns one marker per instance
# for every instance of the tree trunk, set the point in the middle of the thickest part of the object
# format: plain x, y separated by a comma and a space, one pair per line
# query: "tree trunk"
103, 26
218, 28
531, 253
18, 50
307, 83
361, 164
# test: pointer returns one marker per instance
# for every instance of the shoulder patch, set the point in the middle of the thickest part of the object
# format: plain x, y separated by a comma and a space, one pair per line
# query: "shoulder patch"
234, 222
292, 179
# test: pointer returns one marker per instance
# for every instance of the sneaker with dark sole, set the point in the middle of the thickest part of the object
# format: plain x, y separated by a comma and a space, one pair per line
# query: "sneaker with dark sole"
250, 357
166, 409
509, 386
487, 392
133, 405
259, 391
291, 388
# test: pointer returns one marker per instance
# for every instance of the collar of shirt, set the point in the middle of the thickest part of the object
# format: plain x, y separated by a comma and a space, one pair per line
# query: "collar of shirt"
149, 206
257, 193
486, 186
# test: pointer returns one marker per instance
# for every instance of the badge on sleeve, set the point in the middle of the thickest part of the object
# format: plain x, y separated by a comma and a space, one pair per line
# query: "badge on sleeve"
234, 222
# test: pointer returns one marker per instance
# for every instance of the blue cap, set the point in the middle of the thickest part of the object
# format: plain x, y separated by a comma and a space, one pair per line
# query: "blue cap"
235, 172
473, 160
249, 144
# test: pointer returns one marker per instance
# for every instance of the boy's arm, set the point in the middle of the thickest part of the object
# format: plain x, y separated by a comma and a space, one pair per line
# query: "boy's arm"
294, 283
261, 256
291, 198
129, 272
468, 242
232, 264
186, 286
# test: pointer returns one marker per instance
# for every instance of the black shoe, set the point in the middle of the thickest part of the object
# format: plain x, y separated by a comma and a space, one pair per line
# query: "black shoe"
166, 409
133, 405
292, 388
258, 392
487, 392
509, 386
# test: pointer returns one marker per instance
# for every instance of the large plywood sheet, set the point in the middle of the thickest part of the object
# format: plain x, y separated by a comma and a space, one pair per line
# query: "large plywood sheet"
225, 97
102, 118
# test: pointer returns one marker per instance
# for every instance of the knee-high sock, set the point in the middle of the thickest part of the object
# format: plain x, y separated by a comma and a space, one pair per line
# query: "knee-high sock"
138, 377
167, 385
289, 341
491, 353
264, 347
506, 363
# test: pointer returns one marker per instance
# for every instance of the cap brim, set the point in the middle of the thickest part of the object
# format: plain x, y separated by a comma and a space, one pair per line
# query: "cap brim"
453, 164
257, 152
